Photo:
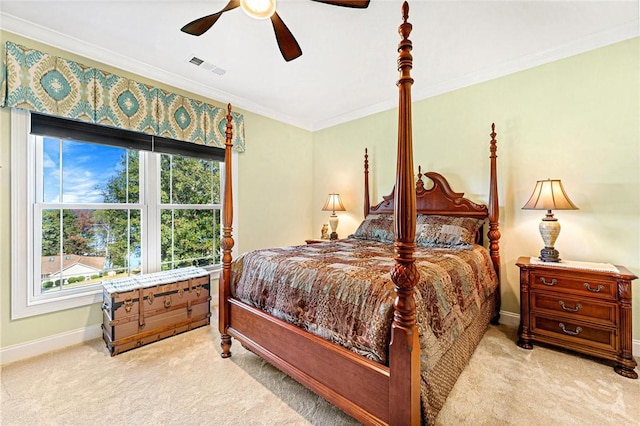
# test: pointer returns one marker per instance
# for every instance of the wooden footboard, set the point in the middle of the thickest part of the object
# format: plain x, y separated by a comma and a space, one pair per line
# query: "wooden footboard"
356, 385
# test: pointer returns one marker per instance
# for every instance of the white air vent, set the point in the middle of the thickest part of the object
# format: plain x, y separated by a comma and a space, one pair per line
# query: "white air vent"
202, 63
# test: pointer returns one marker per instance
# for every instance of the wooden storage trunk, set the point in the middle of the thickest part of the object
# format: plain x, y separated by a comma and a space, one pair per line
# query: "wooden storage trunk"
146, 308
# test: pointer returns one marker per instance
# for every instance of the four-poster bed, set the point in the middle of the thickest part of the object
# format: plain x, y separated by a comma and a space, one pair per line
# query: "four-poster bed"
428, 321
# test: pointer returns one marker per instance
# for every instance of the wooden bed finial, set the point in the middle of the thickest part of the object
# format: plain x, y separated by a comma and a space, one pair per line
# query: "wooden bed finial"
227, 241
405, 59
419, 181
405, 12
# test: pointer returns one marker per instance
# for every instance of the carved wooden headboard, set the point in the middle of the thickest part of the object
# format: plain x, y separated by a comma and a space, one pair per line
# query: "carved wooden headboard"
437, 199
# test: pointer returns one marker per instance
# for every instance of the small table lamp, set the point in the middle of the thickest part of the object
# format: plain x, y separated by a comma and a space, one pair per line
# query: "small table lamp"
549, 195
333, 204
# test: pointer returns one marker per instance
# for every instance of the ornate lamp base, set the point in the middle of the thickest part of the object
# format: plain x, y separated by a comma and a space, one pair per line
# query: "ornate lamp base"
333, 223
549, 230
549, 254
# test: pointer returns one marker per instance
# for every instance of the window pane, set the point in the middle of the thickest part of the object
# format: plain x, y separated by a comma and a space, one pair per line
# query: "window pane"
51, 170
186, 180
215, 177
88, 173
95, 245
91, 173
119, 180
189, 237
71, 260
121, 240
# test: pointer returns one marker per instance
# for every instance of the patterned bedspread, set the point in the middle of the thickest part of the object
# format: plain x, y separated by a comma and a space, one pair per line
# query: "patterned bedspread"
342, 291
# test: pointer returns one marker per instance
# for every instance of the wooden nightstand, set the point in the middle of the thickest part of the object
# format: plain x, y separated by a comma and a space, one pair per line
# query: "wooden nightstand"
580, 306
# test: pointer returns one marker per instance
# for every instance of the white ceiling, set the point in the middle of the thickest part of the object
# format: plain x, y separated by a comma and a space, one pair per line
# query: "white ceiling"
348, 66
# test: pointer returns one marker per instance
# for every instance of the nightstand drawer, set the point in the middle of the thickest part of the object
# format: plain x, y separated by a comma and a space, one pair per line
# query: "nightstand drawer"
575, 308
576, 332
574, 283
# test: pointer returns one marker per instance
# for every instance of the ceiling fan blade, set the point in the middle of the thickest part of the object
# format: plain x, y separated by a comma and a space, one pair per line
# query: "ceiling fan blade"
288, 45
201, 25
357, 4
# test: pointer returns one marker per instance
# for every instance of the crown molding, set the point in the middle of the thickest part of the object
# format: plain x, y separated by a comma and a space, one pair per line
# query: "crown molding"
621, 33
79, 47
55, 39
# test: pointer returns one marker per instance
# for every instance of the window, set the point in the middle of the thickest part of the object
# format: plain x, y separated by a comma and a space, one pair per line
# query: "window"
189, 212
91, 204
87, 214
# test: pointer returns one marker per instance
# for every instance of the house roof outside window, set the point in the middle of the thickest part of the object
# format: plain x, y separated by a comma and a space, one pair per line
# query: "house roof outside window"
71, 263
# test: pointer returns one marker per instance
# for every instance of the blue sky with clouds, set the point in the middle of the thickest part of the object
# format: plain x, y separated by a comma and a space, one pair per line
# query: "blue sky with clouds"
87, 169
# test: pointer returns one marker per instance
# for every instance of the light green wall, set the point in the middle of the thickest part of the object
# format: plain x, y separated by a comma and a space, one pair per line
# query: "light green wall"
577, 119
274, 185
278, 156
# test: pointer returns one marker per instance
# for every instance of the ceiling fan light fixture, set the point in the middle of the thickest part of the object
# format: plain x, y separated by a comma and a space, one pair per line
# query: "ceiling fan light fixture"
259, 9
265, 9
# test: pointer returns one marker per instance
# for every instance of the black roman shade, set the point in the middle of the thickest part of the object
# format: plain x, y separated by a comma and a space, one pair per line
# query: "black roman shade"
94, 133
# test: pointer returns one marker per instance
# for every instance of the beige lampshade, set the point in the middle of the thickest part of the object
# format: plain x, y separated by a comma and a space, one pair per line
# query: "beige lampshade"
333, 204
549, 195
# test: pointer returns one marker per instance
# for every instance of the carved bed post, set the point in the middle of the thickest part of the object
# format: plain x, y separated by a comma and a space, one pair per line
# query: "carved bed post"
404, 350
367, 203
227, 242
494, 214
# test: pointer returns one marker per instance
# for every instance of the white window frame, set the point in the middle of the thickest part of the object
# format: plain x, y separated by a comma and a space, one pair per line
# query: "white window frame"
25, 300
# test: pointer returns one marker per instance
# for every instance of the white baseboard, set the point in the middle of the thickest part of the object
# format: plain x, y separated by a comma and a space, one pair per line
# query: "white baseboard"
59, 341
513, 320
509, 318
50, 343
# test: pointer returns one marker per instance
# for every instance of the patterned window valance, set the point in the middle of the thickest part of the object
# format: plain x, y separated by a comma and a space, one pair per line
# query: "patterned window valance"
47, 84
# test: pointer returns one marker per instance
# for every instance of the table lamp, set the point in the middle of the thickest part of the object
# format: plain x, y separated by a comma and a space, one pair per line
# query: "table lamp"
333, 205
549, 195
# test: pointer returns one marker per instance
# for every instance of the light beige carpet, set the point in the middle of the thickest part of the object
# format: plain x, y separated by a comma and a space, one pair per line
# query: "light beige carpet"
183, 381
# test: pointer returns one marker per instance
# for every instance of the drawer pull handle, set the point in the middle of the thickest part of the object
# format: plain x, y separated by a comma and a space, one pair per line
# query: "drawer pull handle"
576, 309
569, 332
553, 281
594, 290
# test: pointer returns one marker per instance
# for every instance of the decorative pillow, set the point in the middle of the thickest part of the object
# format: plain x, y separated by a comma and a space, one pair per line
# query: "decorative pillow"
376, 227
446, 231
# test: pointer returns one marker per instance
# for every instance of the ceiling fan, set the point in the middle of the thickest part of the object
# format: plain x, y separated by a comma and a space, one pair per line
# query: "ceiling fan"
263, 9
